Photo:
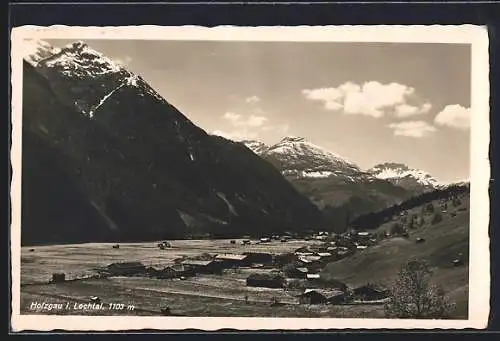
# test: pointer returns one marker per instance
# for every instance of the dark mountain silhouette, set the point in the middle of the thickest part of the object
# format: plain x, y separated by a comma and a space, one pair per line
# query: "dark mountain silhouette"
106, 158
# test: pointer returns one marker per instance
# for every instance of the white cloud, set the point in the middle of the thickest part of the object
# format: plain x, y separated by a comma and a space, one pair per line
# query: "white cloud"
238, 120
252, 99
412, 128
454, 116
407, 110
123, 61
371, 99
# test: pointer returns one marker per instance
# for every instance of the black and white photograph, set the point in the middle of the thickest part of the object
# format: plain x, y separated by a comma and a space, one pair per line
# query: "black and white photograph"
300, 177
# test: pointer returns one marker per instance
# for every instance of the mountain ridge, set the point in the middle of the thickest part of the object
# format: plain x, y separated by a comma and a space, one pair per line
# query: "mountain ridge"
139, 162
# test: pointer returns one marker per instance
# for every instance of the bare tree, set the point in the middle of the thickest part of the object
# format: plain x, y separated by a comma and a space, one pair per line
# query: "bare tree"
413, 296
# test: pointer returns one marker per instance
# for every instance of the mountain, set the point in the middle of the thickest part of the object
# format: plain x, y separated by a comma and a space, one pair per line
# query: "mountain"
400, 174
106, 158
336, 185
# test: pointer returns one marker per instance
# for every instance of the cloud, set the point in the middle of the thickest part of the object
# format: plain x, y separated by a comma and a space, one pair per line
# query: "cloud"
238, 120
370, 99
406, 110
123, 61
454, 116
412, 128
252, 99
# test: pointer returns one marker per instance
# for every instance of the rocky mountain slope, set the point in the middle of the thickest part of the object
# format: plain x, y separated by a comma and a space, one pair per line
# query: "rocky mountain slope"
400, 174
337, 186
107, 158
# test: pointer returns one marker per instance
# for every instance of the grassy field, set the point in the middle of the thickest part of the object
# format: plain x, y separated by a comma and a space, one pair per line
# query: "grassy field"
199, 296
78, 260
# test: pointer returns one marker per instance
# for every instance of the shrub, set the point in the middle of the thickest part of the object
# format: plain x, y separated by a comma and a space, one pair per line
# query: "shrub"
412, 295
436, 218
397, 229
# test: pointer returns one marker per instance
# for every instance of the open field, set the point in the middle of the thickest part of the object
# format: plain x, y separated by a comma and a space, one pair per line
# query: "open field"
78, 260
199, 296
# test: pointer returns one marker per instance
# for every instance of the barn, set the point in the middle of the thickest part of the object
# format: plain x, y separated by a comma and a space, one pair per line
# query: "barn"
258, 257
265, 280
228, 260
321, 296
126, 269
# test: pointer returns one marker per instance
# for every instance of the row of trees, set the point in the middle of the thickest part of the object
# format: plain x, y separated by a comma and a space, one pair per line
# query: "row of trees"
375, 219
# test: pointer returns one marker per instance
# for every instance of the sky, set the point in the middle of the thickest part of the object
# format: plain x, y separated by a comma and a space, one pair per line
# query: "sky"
368, 102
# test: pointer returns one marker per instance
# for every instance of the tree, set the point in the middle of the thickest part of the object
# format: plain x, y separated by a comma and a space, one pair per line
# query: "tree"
413, 296
397, 229
436, 218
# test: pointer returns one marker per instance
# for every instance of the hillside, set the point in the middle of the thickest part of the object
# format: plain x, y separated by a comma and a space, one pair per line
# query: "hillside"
98, 133
443, 242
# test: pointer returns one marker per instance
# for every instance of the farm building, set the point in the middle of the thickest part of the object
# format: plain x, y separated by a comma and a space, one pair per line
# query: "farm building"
321, 296
58, 277
229, 260
284, 258
181, 270
265, 280
258, 257
265, 240
313, 277
166, 273
204, 266
295, 272
369, 293
126, 269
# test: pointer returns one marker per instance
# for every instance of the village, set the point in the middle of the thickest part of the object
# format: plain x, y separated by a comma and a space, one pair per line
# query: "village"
277, 270
296, 273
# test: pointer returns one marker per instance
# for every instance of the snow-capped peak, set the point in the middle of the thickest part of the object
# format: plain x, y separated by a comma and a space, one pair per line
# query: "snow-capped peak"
34, 51
398, 172
79, 60
255, 146
295, 146
303, 159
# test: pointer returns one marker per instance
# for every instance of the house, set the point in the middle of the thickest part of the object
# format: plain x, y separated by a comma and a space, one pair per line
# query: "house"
204, 266
361, 247
265, 240
295, 272
258, 257
309, 259
303, 249
245, 242
181, 270
229, 260
458, 262
321, 296
166, 273
116, 246
419, 240
265, 280
369, 293
313, 277
324, 254
125, 269
58, 277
